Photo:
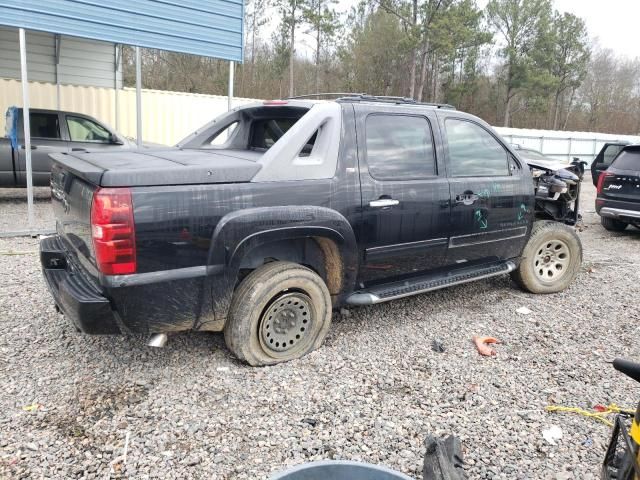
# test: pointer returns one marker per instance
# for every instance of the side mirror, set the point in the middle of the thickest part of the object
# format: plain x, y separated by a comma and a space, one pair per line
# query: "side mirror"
114, 140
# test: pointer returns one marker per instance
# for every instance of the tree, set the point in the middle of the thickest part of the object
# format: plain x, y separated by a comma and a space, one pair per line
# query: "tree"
570, 57
292, 13
319, 14
521, 23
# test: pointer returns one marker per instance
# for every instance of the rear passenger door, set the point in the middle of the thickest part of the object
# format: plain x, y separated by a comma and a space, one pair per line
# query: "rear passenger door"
405, 196
46, 138
491, 196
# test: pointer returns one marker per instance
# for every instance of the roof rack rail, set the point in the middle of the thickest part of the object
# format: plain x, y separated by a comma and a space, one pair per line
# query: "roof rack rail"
328, 94
359, 97
364, 97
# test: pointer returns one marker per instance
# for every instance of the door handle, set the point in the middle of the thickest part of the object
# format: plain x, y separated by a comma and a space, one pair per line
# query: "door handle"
78, 149
384, 202
24, 147
467, 198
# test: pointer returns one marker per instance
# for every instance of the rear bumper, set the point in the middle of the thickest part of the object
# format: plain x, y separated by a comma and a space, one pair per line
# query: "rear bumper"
620, 210
74, 294
619, 213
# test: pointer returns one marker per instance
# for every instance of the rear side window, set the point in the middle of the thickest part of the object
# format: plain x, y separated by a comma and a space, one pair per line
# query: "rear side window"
44, 125
610, 153
473, 151
628, 160
399, 147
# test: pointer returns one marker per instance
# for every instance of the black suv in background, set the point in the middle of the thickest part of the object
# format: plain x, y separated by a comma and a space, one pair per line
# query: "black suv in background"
618, 200
607, 153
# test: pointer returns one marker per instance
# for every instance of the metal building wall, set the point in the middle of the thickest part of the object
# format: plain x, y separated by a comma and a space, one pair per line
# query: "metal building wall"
82, 62
212, 28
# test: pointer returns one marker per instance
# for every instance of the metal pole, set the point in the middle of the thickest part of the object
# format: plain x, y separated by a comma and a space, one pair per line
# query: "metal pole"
231, 68
115, 84
27, 126
138, 97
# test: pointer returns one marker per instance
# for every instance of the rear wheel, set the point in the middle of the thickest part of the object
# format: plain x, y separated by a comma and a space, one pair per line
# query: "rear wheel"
550, 260
280, 311
612, 224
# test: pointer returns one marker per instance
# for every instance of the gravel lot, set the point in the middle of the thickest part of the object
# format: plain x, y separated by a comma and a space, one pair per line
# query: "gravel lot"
371, 393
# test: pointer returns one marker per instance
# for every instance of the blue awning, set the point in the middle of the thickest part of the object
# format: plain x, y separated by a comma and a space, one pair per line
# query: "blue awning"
212, 28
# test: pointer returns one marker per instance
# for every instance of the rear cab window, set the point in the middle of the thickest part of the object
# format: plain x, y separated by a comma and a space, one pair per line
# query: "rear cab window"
399, 147
628, 160
45, 125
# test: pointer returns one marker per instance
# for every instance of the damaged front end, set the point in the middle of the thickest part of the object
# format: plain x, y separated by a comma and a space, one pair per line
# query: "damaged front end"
557, 191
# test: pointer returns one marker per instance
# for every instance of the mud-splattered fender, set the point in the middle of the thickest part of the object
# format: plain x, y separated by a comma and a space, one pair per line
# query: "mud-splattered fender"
241, 231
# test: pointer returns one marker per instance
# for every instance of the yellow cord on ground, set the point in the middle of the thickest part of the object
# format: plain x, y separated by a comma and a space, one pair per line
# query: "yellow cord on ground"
599, 416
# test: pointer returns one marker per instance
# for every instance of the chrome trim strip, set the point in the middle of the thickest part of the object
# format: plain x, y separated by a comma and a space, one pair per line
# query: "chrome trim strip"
518, 233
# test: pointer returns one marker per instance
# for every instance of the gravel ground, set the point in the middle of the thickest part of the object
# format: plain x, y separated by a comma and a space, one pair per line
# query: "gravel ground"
371, 393
13, 209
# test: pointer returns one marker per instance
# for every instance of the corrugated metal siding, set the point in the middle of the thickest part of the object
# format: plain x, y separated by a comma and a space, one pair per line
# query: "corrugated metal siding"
212, 28
82, 62
167, 117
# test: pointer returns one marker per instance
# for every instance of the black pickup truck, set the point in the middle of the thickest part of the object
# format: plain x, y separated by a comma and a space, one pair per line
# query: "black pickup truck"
274, 214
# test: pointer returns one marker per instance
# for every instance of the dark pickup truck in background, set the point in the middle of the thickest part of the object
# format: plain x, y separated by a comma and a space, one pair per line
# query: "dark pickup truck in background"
266, 219
52, 131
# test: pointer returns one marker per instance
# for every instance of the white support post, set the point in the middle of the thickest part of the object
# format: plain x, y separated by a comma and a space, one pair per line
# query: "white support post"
116, 68
138, 97
27, 126
230, 93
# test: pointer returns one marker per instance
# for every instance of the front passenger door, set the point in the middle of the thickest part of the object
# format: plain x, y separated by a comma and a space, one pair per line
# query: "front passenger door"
492, 199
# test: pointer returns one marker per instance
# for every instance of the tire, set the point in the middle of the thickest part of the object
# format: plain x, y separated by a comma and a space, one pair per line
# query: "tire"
551, 258
612, 224
279, 312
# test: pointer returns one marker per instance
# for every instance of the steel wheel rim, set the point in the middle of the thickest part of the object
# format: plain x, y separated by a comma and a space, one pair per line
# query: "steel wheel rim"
286, 324
552, 260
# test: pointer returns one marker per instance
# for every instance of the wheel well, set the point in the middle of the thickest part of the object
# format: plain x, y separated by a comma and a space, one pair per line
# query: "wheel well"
320, 254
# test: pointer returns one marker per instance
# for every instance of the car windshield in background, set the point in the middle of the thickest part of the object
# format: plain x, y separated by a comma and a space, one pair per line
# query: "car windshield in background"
628, 160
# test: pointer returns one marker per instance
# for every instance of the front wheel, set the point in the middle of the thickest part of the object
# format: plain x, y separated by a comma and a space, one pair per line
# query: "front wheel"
280, 311
550, 260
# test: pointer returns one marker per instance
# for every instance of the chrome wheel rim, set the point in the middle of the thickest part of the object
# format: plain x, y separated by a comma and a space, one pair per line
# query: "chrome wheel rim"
552, 260
286, 324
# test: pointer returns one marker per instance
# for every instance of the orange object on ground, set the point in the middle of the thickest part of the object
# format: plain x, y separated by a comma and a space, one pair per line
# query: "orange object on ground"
482, 344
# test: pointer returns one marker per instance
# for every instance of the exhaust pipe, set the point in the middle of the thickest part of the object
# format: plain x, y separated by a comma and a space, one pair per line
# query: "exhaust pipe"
158, 340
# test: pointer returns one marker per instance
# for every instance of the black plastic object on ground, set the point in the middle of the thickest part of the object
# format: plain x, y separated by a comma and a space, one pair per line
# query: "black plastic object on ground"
443, 459
339, 470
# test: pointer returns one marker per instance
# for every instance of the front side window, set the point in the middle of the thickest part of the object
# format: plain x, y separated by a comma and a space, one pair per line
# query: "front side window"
84, 130
44, 125
473, 151
399, 147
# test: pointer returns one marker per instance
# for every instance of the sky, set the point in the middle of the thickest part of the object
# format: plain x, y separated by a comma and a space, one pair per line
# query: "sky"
615, 23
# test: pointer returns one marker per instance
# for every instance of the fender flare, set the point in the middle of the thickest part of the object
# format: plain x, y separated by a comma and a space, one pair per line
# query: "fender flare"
239, 232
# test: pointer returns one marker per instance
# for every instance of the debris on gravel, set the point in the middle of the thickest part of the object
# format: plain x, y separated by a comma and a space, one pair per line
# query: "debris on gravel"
373, 392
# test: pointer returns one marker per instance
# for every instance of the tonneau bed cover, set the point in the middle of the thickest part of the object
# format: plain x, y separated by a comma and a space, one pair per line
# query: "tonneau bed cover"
161, 167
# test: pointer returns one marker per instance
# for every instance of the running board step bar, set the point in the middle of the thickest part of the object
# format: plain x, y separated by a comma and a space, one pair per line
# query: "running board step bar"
405, 288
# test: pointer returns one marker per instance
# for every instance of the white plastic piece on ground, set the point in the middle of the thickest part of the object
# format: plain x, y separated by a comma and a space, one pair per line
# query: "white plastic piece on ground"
552, 434
523, 311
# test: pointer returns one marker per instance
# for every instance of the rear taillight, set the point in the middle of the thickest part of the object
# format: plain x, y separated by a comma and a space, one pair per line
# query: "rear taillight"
601, 178
113, 231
